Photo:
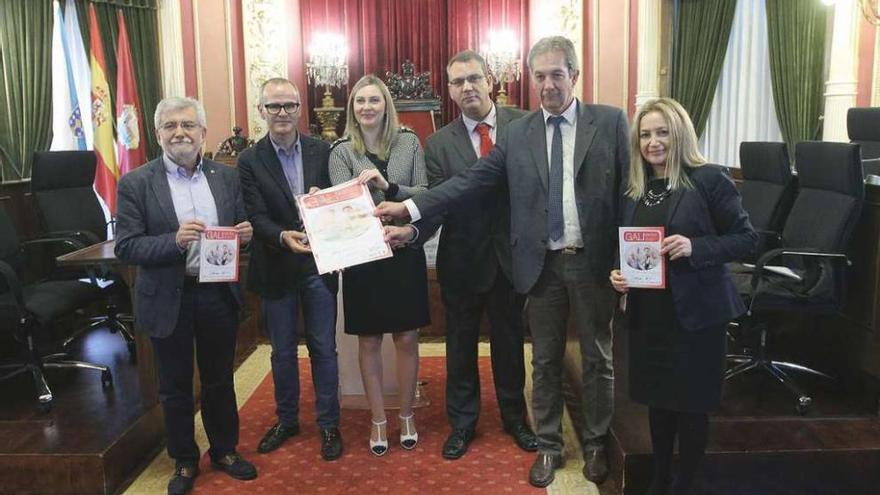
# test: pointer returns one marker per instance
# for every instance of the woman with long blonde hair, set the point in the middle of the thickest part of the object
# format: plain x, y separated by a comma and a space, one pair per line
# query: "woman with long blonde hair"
390, 295
677, 335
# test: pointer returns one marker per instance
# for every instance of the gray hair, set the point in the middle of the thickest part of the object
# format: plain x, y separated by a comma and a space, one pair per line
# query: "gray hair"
555, 44
174, 103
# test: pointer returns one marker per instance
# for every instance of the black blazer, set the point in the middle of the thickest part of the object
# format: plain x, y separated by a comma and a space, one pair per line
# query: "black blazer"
712, 217
274, 270
146, 226
475, 240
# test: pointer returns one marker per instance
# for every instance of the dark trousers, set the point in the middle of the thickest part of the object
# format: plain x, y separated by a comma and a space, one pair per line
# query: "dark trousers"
464, 310
318, 303
567, 291
207, 325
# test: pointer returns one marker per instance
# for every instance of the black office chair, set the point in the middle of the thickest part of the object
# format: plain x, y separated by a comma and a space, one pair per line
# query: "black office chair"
768, 187
863, 127
32, 312
61, 182
815, 237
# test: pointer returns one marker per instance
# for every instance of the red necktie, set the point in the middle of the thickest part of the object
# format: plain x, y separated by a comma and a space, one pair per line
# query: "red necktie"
484, 130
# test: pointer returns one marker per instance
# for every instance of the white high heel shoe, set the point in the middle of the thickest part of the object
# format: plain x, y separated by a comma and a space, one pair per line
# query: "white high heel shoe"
379, 447
409, 437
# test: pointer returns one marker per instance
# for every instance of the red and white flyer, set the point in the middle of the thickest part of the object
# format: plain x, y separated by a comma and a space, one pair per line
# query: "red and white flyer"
341, 228
640, 260
219, 255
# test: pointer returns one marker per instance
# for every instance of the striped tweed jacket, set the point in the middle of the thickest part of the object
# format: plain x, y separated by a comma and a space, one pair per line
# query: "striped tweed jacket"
406, 166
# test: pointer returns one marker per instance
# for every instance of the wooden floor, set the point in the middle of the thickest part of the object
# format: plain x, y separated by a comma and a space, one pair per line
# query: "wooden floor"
91, 440
758, 443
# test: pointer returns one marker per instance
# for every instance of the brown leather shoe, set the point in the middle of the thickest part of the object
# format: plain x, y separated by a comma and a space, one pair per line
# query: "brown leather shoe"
543, 471
596, 464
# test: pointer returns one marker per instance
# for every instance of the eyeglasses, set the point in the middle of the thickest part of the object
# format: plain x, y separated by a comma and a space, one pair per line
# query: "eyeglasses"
472, 79
172, 126
275, 108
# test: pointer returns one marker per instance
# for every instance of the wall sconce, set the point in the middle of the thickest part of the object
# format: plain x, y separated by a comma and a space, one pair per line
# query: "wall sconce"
502, 58
328, 66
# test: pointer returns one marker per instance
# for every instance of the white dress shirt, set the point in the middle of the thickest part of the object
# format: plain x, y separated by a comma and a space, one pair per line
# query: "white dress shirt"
192, 200
571, 236
471, 126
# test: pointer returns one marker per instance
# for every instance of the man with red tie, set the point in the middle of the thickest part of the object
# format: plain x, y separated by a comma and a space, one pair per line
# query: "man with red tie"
474, 265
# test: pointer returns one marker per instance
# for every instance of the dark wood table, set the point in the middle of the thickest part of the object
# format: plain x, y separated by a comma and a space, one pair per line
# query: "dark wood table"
102, 257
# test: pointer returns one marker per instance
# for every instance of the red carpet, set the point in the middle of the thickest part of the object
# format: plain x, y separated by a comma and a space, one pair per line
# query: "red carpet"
492, 465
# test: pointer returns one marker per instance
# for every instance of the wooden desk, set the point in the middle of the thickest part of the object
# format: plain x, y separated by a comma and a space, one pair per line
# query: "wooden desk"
101, 255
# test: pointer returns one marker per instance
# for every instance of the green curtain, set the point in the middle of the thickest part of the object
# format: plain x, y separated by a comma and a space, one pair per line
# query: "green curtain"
703, 28
796, 34
143, 34
25, 84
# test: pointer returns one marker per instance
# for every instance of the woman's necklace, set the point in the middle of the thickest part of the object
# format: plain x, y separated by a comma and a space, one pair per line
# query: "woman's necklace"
655, 198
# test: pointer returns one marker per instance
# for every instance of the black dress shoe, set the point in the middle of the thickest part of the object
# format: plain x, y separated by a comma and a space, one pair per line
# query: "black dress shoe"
523, 436
596, 464
184, 476
543, 471
331, 444
276, 436
457, 443
236, 467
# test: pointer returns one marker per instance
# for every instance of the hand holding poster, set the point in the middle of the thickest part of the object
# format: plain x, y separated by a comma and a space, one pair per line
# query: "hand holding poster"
218, 255
640, 260
341, 227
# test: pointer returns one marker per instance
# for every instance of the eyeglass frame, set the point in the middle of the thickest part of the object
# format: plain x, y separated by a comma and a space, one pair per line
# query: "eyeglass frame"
279, 106
471, 78
186, 125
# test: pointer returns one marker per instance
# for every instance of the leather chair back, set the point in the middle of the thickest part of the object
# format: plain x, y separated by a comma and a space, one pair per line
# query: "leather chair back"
768, 188
62, 185
831, 191
863, 127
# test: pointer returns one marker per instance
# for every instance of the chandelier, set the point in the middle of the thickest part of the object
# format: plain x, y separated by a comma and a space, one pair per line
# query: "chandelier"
501, 52
328, 67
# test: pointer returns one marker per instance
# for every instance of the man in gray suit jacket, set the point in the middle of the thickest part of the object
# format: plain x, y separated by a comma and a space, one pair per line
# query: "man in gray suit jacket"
564, 166
473, 265
163, 207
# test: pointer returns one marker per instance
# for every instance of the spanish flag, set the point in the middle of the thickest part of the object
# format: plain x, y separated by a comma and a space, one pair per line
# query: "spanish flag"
106, 174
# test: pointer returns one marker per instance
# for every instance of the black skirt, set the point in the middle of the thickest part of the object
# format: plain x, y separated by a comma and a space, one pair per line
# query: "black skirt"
670, 367
387, 296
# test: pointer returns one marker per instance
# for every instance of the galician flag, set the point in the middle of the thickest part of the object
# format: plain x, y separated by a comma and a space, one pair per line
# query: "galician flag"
78, 64
106, 174
63, 116
130, 139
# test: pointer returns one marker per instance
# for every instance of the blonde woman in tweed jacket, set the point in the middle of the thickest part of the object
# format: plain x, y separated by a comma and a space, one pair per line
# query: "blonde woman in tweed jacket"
390, 295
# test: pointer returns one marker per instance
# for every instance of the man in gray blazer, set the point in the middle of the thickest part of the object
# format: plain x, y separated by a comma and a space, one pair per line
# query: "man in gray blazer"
564, 166
473, 265
163, 207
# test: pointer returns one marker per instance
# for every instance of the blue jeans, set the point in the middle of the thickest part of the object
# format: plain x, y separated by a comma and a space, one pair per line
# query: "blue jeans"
319, 314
